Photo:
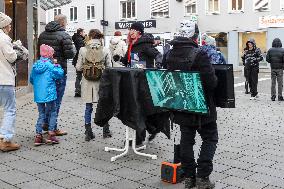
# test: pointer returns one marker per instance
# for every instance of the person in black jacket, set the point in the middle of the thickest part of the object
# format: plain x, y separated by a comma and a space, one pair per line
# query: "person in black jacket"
251, 58
78, 39
275, 56
186, 55
141, 48
56, 37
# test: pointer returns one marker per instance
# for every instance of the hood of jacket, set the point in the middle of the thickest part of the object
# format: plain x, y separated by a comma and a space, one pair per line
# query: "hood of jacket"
183, 42
53, 26
252, 41
40, 66
115, 40
277, 43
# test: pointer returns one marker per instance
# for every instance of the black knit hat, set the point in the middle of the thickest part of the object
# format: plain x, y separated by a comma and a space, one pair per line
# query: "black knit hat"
138, 26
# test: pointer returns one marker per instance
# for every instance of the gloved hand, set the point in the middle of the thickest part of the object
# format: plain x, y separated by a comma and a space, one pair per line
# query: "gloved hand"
116, 58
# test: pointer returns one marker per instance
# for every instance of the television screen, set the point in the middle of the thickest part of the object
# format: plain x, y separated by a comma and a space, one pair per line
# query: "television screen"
177, 90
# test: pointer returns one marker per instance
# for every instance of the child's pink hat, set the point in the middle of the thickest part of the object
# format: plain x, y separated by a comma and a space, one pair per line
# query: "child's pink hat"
46, 51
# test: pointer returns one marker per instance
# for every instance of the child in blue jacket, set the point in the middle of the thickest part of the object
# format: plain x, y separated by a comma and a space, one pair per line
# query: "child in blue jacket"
43, 77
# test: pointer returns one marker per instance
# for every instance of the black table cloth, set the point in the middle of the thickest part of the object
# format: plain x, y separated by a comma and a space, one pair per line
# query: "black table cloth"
124, 93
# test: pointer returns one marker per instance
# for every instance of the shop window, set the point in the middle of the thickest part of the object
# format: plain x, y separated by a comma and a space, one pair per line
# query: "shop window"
128, 9
282, 5
190, 7
73, 14
261, 5
91, 12
56, 12
213, 6
236, 5
159, 8
260, 40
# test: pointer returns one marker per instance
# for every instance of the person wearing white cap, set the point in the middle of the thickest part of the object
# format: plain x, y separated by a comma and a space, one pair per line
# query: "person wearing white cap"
7, 85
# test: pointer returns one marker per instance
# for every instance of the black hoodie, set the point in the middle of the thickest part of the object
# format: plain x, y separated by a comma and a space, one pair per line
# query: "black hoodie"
275, 55
56, 37
251, 58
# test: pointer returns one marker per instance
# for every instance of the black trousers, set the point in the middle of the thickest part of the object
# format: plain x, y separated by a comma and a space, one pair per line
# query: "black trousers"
79, 76
204, 165
253, 80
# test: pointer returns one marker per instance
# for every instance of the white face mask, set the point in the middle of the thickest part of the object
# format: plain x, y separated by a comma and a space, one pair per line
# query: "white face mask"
187, 28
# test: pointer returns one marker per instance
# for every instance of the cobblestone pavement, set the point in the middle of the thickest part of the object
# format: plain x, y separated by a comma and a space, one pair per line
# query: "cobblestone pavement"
250, 152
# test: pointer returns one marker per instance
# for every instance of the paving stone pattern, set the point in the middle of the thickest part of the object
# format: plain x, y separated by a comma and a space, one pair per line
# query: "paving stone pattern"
250, 152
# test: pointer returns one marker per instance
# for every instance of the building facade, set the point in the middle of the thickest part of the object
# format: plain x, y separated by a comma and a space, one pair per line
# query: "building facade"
231, 22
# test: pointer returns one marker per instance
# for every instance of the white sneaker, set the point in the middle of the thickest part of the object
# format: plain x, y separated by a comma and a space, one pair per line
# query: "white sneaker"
252, 98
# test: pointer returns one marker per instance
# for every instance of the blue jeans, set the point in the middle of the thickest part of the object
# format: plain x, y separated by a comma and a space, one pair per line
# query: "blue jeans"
88, 113
8, 100
49, 107
60, 89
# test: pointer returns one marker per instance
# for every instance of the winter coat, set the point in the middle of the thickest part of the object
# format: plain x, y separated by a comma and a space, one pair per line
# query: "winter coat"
117, 47
251, 58
7, 57
212, 53
183, 50
56, 37
144, 48
43, 77
275, 55
78, 42
90, 88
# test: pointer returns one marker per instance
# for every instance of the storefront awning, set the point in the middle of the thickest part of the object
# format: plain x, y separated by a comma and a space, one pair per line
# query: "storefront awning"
50, 4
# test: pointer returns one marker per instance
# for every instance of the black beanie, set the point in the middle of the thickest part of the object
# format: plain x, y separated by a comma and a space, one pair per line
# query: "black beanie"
138, 26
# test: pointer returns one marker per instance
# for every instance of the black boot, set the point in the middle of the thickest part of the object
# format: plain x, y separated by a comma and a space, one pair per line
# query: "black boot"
280, 98
273, 98
204, 183
190, 182
106, 131
89, 133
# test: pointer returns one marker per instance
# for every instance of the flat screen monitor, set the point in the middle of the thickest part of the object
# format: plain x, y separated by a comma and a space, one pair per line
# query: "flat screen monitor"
177, 90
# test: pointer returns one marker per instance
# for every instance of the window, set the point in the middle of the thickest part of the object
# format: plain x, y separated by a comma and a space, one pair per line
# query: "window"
190, 7
159, 8
73, 14
128, 9
57, 12
261, 5
91, 12
236, 5
213, 6
281, 4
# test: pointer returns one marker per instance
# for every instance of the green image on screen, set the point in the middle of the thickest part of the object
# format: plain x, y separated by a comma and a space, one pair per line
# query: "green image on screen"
177, 90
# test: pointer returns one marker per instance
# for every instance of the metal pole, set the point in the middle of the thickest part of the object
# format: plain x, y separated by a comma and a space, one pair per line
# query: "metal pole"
38, 18
104, 28
2, 6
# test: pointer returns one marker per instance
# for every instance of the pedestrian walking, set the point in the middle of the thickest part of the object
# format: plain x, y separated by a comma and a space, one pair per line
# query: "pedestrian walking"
209, 46
187, 56
55, 35
94, 56
251, 58
275, 56
7, 86
78, 39
43, 77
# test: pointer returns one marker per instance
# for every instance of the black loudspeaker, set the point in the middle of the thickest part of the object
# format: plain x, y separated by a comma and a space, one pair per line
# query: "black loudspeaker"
224, 93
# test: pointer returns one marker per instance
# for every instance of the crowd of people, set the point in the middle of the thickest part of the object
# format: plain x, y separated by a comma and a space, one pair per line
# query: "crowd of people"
91, 57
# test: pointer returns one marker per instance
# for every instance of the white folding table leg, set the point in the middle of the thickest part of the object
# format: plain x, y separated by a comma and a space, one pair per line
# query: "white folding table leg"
142, 147
124, 150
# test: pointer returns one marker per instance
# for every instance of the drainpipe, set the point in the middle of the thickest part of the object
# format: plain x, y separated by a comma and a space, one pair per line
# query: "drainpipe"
104, 28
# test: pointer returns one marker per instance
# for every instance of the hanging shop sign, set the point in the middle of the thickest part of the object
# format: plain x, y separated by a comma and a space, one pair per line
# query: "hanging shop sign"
126, 25
271, 22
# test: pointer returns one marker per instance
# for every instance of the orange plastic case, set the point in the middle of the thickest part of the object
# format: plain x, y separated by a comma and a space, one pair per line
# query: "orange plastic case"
171, 172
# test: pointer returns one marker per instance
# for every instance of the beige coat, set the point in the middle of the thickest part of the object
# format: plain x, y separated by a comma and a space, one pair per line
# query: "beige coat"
90, 89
